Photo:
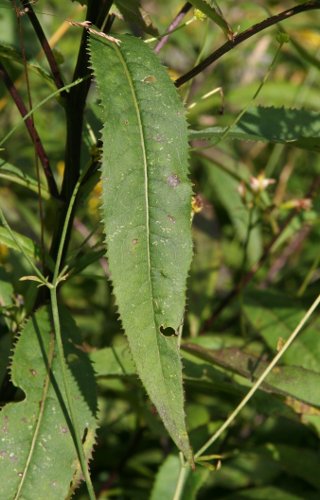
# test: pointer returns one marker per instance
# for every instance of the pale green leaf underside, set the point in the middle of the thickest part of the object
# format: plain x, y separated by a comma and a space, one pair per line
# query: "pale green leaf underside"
146, 212
295, 127
35, 431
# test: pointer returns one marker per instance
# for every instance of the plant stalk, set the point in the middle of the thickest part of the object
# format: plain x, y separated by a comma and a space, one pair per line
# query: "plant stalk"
260, 380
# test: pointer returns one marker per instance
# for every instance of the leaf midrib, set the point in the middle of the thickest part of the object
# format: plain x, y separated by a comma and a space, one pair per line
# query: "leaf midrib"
145, 164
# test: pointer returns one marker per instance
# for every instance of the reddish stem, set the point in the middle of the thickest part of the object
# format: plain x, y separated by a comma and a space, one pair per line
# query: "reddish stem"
42, 155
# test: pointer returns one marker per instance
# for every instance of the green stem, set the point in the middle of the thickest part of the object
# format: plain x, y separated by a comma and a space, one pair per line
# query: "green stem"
65, 231
57, 329
260, 380
77, 437
183, 474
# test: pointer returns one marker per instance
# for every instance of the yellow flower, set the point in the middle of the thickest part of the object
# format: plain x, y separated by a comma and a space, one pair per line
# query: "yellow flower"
199, 15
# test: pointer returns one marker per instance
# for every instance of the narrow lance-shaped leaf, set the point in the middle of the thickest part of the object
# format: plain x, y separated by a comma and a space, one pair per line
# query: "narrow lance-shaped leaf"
295, 127
37, 430
146, 212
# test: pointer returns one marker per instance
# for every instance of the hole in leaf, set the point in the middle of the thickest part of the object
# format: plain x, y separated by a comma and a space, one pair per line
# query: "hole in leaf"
167, 332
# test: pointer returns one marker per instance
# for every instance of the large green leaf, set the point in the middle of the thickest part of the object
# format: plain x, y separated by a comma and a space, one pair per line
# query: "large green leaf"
146, 212
37, 430
294, 381
296, 127
115, 361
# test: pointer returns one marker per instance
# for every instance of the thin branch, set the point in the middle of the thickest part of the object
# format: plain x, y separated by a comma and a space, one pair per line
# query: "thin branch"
245, 35
175, 23
27, 8
42, 155
260, 380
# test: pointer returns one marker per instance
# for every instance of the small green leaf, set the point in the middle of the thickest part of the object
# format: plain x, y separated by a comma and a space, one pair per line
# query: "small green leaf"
36, 430
295, 127
146, 212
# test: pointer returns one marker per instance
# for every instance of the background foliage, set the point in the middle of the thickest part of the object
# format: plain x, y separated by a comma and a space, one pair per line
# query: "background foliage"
254, 120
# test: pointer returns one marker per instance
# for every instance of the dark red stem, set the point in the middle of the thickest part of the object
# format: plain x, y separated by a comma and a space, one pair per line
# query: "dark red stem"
175, 23
44, 44
245, 35
42, 155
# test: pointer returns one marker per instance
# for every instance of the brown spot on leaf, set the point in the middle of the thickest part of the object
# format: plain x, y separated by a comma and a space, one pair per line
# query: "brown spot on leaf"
149, 79
171, 219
